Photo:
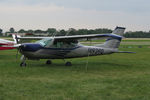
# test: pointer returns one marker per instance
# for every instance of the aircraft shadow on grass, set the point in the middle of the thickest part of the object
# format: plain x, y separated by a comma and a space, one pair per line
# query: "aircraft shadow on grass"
83, 65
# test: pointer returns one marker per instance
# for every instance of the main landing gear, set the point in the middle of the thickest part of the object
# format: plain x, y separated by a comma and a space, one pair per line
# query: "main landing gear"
68, 64
48, 62
23, 63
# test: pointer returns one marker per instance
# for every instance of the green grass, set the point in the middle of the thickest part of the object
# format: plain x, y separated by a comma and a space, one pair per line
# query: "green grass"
108, 77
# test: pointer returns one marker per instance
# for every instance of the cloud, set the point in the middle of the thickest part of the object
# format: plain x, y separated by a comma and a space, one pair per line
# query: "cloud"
132, 6
28, 9
37, 14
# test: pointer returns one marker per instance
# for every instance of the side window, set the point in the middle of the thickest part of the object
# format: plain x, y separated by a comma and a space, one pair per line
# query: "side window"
59, 44
64, 44
48, 43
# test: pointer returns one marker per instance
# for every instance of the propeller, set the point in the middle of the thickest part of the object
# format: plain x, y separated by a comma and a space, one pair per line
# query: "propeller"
16, 41
18, 49
17, 55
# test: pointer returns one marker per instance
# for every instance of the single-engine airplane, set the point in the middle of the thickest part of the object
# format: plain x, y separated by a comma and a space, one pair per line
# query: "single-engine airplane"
63, 47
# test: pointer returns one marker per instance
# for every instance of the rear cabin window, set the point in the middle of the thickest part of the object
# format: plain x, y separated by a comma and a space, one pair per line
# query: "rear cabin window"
65, 44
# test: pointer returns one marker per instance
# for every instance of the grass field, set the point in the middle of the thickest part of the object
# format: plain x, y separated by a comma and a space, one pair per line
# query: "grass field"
108, 77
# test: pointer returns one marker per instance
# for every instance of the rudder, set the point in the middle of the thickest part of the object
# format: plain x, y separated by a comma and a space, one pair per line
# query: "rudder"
115, 38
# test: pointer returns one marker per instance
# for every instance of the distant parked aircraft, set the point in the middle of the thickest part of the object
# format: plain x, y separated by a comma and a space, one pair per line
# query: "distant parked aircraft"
64, 47
6, 44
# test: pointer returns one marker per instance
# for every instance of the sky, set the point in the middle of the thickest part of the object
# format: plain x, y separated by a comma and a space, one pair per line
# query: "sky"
64, 14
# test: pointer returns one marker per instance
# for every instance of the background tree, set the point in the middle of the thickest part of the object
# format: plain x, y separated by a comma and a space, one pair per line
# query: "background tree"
12, 30
137, 34
61, 33
71, 31
1, 32
30, 31
51, 30
38, 31
21, 31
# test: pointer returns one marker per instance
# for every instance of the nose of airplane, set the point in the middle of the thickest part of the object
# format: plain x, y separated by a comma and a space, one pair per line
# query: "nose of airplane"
30, 47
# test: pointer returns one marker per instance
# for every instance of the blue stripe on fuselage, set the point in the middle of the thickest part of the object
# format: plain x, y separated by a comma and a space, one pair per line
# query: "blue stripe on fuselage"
112, 36
30, 47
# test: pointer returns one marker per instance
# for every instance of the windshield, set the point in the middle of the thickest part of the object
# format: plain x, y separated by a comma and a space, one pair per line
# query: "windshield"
45, 42
49, 42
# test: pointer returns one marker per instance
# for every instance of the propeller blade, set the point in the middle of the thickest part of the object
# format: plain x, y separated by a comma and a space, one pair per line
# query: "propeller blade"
18, 49
17, 54
17, 45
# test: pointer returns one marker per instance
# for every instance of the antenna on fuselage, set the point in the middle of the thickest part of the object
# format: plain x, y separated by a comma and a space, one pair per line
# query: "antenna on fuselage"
68, 32
54, 34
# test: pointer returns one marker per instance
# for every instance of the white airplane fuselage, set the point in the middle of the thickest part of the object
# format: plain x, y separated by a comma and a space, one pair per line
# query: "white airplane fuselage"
40, 52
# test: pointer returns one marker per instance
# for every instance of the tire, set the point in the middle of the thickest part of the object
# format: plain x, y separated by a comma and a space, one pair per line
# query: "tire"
68, 64
23, 64
48, 62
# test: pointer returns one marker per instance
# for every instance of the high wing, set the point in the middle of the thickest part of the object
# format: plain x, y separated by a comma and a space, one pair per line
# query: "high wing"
74, 37
117, 34
85, 37
114, 34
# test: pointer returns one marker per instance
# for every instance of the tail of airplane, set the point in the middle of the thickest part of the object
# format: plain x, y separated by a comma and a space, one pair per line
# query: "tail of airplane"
119, 31
115, 39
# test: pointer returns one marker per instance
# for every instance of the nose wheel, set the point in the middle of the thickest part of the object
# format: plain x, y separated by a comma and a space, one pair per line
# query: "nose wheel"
23, 63
68, 64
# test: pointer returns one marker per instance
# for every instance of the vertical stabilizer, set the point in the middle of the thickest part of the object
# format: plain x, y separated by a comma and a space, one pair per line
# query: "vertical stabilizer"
115, 39
119, 31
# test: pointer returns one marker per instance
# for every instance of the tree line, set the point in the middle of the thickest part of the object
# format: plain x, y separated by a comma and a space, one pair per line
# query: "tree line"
72, 31
137, 34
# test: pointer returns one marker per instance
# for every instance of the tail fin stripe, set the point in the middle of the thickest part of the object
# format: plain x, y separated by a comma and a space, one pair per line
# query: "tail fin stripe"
114, 38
